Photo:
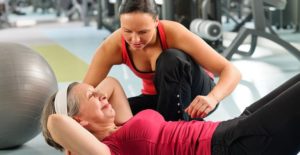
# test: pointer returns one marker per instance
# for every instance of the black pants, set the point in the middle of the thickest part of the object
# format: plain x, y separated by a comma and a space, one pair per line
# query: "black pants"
270, 126
178, 80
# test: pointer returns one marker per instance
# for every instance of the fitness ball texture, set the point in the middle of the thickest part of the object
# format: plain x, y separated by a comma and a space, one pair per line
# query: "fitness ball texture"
26, 82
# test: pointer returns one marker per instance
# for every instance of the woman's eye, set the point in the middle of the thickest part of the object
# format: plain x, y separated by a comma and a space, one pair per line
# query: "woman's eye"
142, 32
90, 95
126, 31
93, 94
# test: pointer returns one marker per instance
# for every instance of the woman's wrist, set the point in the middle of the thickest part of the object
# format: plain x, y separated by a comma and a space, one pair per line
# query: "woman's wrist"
215, 97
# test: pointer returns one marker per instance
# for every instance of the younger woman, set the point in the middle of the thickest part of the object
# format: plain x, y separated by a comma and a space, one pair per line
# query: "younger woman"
171, 61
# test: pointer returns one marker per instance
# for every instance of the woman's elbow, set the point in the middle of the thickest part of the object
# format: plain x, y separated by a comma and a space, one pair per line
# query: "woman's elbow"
54, 121
237, 72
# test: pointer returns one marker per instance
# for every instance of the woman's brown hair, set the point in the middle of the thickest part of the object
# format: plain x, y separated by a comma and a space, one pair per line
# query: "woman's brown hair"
145, 6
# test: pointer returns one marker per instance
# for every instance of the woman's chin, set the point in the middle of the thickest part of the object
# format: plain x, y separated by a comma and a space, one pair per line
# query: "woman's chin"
137, 47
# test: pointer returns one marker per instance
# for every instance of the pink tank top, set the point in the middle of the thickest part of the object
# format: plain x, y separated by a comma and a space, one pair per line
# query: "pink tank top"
147, 77
147, 133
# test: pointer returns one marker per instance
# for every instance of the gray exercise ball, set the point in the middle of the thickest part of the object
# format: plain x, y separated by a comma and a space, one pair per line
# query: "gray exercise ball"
26, 82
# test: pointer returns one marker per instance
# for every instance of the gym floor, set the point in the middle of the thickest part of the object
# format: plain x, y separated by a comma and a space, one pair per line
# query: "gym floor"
69, 47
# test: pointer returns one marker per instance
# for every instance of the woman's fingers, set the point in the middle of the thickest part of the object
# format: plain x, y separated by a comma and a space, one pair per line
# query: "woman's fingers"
199, 108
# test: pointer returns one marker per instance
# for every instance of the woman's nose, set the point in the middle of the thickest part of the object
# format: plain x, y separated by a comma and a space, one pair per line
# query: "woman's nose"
102, 97
135, 38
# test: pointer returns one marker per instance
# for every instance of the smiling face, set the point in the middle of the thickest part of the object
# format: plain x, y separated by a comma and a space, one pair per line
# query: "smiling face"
94, 106
138, 29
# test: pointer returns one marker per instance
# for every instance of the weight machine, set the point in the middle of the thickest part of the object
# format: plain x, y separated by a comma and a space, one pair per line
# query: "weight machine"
259, 31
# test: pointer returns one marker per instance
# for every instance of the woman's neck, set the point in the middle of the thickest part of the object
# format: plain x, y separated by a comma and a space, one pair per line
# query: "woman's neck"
154, 39
103, 130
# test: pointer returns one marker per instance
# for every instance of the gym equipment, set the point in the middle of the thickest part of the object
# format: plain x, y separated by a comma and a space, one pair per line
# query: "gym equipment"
108, 14
44, 5
26, 82
4, 11
288, 18
239, 13
207, 29
83, 8
208, 10
69, 8
259, 30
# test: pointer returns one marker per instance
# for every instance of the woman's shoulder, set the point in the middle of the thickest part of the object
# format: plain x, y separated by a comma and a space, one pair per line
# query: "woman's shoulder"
113, 41
114, 38
173, 31
171, 25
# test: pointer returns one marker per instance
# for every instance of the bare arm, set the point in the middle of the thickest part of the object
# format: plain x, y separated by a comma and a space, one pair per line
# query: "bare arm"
181, 38
68, 133
117, 98
106, 55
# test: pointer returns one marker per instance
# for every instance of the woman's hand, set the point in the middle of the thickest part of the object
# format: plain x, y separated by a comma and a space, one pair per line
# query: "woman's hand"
201, 106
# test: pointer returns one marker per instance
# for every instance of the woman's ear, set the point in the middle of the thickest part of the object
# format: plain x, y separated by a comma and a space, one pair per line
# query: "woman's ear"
156, 21
67, 152
83, 123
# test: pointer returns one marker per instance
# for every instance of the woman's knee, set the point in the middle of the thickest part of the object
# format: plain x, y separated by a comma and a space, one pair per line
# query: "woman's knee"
170, 55
171, 58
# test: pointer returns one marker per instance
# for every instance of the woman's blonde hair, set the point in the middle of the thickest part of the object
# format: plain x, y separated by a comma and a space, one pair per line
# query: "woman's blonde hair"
73, 109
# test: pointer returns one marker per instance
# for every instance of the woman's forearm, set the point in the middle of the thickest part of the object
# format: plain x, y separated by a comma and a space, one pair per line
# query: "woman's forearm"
228, 80
117, 98
72, 136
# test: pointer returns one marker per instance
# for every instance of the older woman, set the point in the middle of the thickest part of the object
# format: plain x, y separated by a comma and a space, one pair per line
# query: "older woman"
83, 121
